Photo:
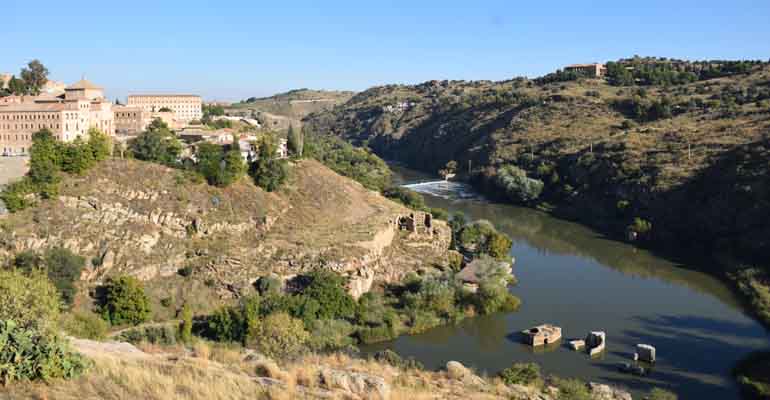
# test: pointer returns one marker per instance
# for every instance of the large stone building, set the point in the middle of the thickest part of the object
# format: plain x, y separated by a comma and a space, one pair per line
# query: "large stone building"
594, 70
68, 116
185, 107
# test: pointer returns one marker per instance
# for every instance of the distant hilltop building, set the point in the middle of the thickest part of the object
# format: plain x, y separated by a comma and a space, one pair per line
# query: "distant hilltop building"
185, 107
594, 70
68, 116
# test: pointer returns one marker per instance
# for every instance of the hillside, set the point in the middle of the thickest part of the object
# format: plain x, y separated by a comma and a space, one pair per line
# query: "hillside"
149, 221
279, 110
691, 158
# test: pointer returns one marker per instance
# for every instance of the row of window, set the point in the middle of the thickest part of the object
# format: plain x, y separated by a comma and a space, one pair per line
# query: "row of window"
8, 137
17, 127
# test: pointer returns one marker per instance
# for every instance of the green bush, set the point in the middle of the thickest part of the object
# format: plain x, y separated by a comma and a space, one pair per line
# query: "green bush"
571, 389
405, 196
61, 265
165, 335
392, 358
28, 299
85, 325
157, 144
17, 195
185, 327
517, 186
640, 226
492, 296
328, 289
434, 296
28, 354
278, 335
268, 285
125, 302
527, 374
329, 335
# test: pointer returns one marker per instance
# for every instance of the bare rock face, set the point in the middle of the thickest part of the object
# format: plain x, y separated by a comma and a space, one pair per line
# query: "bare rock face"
358, 384
605, 392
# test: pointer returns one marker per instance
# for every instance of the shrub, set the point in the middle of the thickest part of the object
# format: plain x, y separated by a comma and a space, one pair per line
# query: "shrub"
278, 335
61, 265
343, 158
640, 226
516, 185
164, 335
185, 328
226, 325
493, 296
405, 196
185, 271
268, 285
371, 309
31, 354
30, 300
329, 335
522, 374
16, 196
157, 144
100, 144
327, 288
434, 296
125, 302
572, 389
391, 357
85, 325
439, 213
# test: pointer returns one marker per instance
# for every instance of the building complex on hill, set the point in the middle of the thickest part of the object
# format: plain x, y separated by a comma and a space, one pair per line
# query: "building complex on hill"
68, 116
185, 107
594, 70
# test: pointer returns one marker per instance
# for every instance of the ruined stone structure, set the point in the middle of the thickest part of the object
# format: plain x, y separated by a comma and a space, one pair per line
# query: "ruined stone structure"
417, 222
542, 335
645, 352
595, 342
594, 70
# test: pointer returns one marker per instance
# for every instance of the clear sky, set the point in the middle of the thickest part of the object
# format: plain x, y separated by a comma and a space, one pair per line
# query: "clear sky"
232, 49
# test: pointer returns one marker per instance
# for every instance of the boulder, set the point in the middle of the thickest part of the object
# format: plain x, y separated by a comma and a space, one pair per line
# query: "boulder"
605, 392
356, 383
459, 372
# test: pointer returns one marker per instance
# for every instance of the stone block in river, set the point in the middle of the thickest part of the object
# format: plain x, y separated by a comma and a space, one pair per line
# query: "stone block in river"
645, 352
595, 341
577, 345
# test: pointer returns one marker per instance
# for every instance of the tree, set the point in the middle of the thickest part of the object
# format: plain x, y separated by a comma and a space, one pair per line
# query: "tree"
44, 163
157, 144
296, 141
268, 172
219, 169
125, 302
328, 289
17, 86
64, 269
100, 144
77, 157
35, 76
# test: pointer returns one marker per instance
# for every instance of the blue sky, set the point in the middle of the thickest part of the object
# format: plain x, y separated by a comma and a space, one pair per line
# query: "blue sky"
236, 49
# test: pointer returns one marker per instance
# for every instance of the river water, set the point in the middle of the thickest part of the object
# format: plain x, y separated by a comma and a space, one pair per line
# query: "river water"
577, 279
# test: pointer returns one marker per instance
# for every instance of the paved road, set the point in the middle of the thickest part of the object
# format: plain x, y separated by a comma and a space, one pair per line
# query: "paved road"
12, 168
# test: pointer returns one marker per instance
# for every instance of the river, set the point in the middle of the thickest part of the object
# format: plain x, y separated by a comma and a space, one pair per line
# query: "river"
577, 279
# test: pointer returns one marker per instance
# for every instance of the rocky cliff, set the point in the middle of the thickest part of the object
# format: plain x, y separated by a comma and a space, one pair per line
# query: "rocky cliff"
191, 241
